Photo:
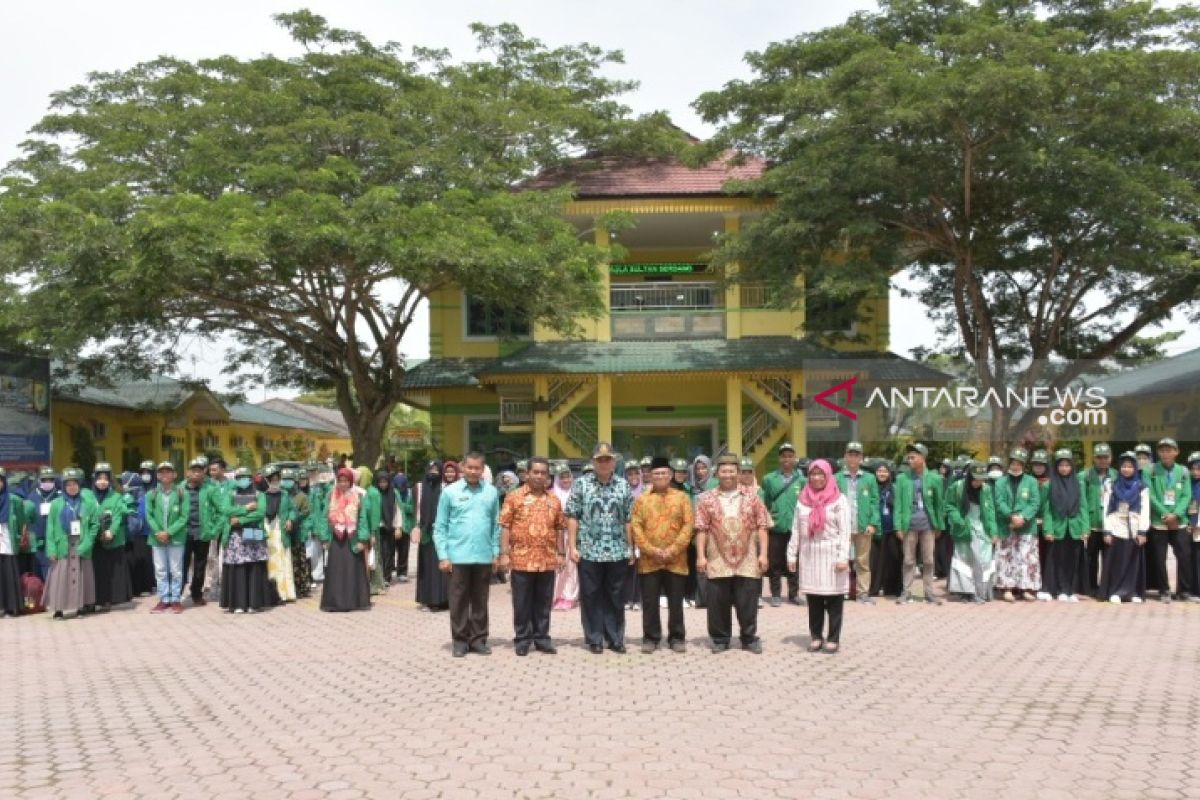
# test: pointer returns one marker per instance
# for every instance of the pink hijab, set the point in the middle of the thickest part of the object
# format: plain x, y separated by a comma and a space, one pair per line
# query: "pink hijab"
818, 501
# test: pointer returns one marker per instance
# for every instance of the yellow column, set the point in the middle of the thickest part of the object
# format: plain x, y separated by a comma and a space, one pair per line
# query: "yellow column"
603, 325
733, 415
733, 292
604, 408
799, 434
541, 419
157, 452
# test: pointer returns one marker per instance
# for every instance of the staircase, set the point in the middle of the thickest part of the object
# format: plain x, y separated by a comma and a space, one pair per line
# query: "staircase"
764, 427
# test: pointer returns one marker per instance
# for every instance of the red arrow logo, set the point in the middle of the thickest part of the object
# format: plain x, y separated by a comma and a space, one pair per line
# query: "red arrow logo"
849, 387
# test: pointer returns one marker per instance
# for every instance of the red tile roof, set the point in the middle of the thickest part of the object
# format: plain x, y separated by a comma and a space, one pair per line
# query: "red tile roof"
644, 177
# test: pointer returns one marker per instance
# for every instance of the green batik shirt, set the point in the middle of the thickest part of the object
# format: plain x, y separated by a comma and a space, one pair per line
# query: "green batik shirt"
602, 510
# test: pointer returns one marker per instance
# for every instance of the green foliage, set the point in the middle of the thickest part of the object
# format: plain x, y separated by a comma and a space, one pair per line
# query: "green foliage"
245, 458
1032, 164
307, 205
83, 449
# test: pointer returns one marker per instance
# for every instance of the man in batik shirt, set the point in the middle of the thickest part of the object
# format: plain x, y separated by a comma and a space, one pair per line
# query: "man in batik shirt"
662, 530
731, 543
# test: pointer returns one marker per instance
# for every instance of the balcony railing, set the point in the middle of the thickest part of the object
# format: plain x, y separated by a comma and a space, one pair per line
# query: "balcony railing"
516, 411
657, 296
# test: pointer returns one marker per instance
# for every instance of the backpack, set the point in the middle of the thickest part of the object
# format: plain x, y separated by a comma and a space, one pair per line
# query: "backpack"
32, 590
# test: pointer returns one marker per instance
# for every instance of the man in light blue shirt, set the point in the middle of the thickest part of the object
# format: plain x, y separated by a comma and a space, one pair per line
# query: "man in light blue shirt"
467, 538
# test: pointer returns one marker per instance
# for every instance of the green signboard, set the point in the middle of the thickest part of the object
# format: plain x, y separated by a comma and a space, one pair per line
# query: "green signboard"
656, 269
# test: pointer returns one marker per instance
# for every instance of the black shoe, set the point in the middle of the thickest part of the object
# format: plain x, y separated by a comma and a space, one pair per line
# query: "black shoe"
797, 600
649, 647
481, 649
548, 649
776, 601
719, 648
522, 649
595, 649
619, 649
678, 647
460, 649
754, 647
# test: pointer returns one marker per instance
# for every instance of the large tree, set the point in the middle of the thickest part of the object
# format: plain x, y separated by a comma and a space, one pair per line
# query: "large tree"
305, 206
1032, 165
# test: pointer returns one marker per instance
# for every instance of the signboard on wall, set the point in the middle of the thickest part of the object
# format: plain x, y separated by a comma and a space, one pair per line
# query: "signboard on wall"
656, 269
24, 412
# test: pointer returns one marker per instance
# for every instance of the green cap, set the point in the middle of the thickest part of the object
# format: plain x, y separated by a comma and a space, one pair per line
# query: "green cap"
147, 466
1039, 457
198, 463
242, 472
632, 466
166, 466
746, 463
271, 470
917, 447
1167, 441
1143, 448
562, 468
787, 446
679, 465
1194, 458
1063, 454
1102, 449
522, 466
1128, 454
311, 466
854, 447
1018, 454
727, 458
995, 461
72, 474
978, 469
47, 472
588, 468
289, 474
646, 461
102, 466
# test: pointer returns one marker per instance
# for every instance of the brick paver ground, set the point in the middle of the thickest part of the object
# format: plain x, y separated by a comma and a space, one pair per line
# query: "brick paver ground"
1017, 701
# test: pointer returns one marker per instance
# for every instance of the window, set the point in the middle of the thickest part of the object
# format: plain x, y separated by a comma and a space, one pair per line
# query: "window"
824, 314
485, 319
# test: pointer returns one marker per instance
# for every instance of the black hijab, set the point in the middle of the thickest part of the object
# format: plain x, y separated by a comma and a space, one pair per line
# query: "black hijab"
387, 505
1064, 491
431, 492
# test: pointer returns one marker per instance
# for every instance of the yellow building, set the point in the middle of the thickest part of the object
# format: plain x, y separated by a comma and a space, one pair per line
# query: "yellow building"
164, 419
682, 362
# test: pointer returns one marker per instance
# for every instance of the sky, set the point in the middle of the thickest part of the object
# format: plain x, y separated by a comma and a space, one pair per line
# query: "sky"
676, 50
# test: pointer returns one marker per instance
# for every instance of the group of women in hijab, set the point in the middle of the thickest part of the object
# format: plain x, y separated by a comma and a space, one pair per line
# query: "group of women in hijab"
433, 585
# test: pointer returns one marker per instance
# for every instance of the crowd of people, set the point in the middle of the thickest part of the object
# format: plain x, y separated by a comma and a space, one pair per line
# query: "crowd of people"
660, 534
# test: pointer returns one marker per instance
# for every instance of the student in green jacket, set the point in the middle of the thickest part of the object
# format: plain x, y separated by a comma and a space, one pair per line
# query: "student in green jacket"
278, 524
295, 483
920, 519
166, 522
779, 492
15, 520
1018, 501
1097, 479
70, 536
1170, 493
245, 585
114, 586
971, 520
374, 508
320, 483
1039, 467
1065, 523
862, 491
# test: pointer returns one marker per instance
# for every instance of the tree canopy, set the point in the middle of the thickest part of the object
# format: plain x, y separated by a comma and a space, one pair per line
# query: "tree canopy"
307, 205
1032, 164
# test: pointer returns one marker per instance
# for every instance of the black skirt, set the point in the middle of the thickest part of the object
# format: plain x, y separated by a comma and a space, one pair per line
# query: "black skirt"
12, 597
141, 566
114, 584
433, 585
1124, 573
247, 586
346, 587
887, 564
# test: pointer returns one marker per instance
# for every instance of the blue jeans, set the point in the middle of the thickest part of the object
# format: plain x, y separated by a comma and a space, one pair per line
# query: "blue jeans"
168, 571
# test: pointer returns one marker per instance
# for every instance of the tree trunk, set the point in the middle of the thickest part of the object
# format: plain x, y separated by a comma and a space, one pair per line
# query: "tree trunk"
366, 433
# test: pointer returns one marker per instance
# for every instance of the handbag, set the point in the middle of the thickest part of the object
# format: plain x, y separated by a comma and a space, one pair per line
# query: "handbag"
253, 535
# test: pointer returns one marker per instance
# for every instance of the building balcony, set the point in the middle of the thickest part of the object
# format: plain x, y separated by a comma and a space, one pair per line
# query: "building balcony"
667, 310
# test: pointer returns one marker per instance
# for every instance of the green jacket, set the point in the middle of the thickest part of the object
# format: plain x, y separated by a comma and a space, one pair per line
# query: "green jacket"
247, 519
362, 532
1026, 501
780, 497
1095, 488
318, 508
118, 505
374, 504
957, 519
57, 544
20, 517
215, 501
176, 521
867, 499
287, 516
1160, 483
1076, 526
934, 492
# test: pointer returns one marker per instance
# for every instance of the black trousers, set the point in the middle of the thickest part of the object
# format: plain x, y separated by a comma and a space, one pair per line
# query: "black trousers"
1061, 574
631, 591
777, 565
386, 557
195, 554
1095, 550
653, 585
401, 552
469, 585
821, 606
600, 601
532, 597
1180, 541
726, 595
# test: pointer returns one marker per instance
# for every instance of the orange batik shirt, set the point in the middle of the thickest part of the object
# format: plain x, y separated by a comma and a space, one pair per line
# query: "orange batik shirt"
662, 522
536, 530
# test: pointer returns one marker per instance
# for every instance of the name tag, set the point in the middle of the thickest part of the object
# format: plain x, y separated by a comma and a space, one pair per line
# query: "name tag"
44, 509
1123, 508
1169, 497
75, 527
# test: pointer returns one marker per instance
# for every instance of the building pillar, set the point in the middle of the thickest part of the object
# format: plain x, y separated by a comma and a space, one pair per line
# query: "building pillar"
733, 291
541, 419
603, 323
733, 415
604, 429
799, 433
